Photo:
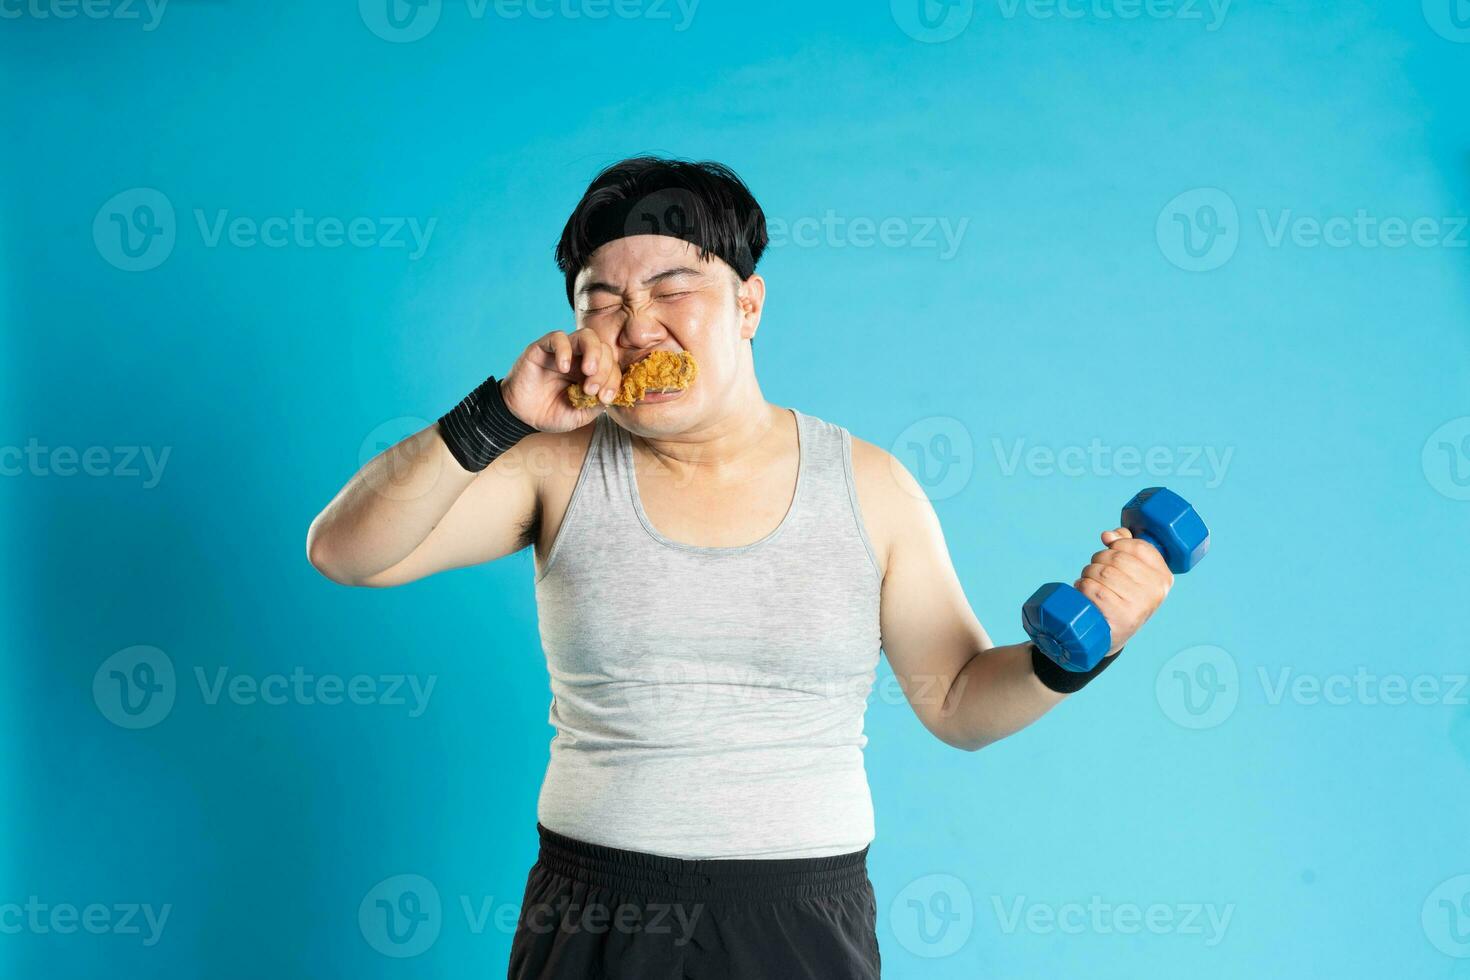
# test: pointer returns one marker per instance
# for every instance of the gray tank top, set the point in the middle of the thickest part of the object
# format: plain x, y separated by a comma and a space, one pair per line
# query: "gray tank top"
708, 701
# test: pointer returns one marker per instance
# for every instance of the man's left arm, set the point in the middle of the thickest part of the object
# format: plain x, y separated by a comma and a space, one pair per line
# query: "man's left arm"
965, 689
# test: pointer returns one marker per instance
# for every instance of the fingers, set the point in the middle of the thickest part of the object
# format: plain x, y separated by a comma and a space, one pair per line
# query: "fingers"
1122, 540
599, 365
1102, 596
1123, 563
612, 378
1125, 573
1124, 582
592, 350
605, 379
579, 354
552, 352
1116, 581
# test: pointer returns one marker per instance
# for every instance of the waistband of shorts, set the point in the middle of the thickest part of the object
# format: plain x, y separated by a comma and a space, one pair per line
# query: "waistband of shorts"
710, 880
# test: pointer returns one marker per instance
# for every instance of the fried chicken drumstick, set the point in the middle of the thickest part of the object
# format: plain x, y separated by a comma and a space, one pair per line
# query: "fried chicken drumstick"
660, 370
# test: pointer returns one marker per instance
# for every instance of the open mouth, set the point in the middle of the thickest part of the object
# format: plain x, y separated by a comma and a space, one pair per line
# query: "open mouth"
661, 394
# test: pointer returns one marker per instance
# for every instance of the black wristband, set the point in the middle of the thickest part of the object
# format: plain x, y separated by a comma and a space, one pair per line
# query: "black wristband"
1059, 678
481, 427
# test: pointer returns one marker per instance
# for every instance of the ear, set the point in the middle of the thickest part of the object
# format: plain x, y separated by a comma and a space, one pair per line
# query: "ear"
750, 297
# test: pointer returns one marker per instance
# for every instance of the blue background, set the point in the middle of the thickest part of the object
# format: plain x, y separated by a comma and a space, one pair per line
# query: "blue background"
1069, 313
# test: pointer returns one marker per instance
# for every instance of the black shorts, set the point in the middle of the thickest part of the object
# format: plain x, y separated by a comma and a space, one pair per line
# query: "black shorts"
600, 912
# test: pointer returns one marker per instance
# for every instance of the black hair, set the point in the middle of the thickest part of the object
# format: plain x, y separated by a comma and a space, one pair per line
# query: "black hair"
705, 203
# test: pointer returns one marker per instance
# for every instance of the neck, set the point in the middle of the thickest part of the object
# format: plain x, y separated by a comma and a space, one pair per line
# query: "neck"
726, 448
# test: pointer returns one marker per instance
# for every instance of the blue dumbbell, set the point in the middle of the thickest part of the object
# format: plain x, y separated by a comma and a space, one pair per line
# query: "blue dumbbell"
1067, 626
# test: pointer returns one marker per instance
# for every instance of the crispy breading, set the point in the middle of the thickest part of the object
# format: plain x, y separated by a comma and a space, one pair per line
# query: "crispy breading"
661, 369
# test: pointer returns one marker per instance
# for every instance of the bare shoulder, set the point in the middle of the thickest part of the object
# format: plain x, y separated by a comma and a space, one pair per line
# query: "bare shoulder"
548, 456
892, 502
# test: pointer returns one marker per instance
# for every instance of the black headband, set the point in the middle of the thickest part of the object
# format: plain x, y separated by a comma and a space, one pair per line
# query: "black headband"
671, 212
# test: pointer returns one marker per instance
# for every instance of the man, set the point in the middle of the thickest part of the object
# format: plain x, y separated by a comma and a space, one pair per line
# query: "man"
715, 576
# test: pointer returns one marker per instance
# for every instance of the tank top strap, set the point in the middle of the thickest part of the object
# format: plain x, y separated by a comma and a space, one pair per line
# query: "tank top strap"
830, 517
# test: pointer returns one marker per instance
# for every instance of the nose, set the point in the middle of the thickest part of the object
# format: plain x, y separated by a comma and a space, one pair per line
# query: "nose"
641, 329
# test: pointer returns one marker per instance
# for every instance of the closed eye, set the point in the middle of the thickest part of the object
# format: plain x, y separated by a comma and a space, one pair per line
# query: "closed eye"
680, 294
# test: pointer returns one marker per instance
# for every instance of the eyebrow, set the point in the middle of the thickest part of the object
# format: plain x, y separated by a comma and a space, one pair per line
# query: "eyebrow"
651, 281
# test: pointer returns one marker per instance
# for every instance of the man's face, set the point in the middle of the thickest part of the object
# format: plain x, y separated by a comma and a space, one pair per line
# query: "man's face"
653, 292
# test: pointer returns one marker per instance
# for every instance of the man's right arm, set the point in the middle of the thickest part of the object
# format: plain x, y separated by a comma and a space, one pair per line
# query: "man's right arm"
414, 510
